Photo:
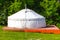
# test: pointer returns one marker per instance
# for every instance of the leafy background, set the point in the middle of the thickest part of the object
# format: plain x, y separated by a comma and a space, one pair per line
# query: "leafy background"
50, 9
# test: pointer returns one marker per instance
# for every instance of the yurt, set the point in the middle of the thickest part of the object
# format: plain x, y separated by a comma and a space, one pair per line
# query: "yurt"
26, 18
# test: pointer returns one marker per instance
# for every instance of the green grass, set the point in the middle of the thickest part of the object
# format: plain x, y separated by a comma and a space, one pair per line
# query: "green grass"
5, 35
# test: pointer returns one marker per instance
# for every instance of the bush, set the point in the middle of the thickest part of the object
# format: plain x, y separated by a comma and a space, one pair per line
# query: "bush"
50, 11
14, 7
8, 8
3, 6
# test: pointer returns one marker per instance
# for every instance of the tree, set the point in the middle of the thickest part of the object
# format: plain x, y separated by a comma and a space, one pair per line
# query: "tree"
50, 8
14, 7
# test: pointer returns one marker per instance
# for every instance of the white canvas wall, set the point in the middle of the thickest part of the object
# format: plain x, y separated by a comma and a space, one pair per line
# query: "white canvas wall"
26, 24
26, 20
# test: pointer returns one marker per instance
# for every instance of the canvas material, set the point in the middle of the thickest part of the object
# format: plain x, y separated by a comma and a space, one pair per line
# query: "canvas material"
30, 14
27, 24
29, 19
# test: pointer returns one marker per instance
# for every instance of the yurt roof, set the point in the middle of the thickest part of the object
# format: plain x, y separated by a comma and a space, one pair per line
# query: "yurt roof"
25, 13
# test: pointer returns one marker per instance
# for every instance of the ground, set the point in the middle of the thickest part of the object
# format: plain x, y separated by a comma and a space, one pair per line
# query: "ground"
8, 35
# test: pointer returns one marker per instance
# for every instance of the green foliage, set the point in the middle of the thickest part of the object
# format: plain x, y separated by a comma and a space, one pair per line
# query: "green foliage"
7, 8
14, 7
4, 5
50, 11
50, 6
30, 2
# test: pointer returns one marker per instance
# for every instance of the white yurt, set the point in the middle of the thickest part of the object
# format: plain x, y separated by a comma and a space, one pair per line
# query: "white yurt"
26, 18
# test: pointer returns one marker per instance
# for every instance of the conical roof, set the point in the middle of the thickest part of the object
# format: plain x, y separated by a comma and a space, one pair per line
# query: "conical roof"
25, 13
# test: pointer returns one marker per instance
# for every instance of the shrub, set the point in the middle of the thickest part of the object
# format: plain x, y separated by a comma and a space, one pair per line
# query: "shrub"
14, 7
50, 8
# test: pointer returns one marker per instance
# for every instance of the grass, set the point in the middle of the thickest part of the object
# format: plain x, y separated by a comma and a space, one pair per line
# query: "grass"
6, 35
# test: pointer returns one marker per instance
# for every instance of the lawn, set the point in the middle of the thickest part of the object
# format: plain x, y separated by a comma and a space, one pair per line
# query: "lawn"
6, 35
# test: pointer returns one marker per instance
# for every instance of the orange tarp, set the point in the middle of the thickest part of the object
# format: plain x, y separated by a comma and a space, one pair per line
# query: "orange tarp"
51, 29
